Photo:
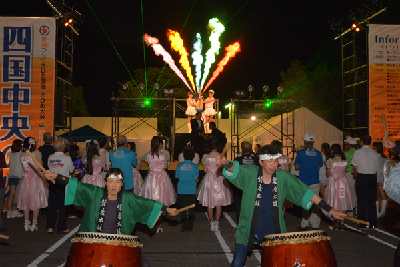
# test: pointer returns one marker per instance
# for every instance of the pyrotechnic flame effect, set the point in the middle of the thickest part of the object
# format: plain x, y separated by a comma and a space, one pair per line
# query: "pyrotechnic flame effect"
216, 30
231, 51
159, 50
197, 58
177, 45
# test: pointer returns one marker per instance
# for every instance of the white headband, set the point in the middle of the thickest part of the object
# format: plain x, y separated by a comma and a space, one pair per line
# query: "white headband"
269, 156
90, 140
119, 176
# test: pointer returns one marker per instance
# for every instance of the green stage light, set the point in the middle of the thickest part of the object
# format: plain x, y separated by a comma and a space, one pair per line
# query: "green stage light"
269, 103
147, 102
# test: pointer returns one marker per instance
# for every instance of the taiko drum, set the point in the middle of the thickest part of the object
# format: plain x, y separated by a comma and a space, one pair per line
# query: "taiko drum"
98, 249
298, 249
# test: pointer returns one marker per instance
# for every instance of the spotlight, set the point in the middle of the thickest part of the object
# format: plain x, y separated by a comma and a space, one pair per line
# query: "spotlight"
240, 93
125, 86
66, 24
357, 29
265, 88
70, 21
354, 25
157, 86
250, 89
141, 86
168, 92
253, 118
280, 89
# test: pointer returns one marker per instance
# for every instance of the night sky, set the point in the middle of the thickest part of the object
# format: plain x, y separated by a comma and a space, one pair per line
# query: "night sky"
272, 34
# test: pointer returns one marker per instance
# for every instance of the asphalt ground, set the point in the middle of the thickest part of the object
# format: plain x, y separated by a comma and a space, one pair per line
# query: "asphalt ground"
200, 247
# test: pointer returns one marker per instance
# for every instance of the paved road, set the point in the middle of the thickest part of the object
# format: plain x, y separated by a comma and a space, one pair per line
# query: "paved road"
199, 248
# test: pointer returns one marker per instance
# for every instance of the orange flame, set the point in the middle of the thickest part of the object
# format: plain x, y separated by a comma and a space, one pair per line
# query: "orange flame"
177, 45
230, 53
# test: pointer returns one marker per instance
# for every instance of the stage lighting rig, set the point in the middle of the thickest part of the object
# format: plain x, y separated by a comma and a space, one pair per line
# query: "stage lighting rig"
125, 86
280, 90
156, 87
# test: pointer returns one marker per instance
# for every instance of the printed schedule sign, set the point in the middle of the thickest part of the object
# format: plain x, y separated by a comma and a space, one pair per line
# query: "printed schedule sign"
27, 79
384, 80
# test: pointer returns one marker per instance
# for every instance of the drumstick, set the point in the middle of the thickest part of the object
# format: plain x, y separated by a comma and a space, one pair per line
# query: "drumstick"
38, 163
4, 236
384, 125
186, 208
354, 220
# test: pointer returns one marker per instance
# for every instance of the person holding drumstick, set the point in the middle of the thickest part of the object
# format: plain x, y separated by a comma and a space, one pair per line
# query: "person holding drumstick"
265, 188
110, 210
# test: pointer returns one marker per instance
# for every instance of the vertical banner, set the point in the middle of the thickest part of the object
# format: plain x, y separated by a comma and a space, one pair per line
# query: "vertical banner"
27, 71
384, 80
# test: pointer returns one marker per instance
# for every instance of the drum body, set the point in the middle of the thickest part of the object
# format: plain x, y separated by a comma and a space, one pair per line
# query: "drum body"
98, 249
298, 249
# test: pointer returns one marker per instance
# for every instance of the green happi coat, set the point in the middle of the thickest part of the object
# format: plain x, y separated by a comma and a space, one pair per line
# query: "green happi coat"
290, 187
135, 209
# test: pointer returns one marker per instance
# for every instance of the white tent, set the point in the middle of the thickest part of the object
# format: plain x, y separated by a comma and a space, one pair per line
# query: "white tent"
305, 121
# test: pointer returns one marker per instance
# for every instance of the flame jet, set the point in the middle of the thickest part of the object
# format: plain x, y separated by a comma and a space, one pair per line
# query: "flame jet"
197, 58
177, 45
231, 51
216, 30
159, 50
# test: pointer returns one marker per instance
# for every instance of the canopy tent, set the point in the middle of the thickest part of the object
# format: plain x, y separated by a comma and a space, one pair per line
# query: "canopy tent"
305, 121
84, 133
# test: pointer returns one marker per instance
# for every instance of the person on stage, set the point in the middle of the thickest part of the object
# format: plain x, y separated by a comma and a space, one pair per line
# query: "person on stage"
110, 210
191, 110
265, 188
209, 111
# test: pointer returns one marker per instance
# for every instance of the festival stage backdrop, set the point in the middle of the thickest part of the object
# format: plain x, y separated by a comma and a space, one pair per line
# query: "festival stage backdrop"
384, 80
27, 70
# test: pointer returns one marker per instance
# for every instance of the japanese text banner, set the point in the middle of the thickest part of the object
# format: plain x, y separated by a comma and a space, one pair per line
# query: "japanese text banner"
384, 80
27, 71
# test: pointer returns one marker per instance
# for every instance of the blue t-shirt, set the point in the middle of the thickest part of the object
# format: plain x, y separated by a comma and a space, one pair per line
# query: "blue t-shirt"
265, 224
309, 159
186, 172
124, 159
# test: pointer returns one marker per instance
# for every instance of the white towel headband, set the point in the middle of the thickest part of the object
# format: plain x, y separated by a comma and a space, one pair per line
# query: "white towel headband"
269, 156
119, 176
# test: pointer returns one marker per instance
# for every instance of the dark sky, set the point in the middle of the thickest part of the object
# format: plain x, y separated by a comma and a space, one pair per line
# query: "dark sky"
272, 34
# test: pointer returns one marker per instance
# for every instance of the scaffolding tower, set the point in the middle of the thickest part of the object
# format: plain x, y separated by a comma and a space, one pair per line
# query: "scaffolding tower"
248, 108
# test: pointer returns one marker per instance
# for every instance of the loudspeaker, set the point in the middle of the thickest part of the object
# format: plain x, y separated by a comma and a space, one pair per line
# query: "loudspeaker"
356, 114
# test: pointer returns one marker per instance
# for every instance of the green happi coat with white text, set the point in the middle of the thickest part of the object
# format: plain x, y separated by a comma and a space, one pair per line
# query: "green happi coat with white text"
289, 187
135, 209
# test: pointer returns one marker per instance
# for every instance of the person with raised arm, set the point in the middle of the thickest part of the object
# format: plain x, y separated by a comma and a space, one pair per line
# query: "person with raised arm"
265, 188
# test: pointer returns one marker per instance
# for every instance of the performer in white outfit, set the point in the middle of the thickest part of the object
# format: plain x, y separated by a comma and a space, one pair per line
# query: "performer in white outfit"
209, 111
191, 110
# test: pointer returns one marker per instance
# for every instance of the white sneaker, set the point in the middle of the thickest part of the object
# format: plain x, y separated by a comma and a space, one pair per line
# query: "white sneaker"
9, 214
34, 227
212, 228
27, 226
17, 214
216, 226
